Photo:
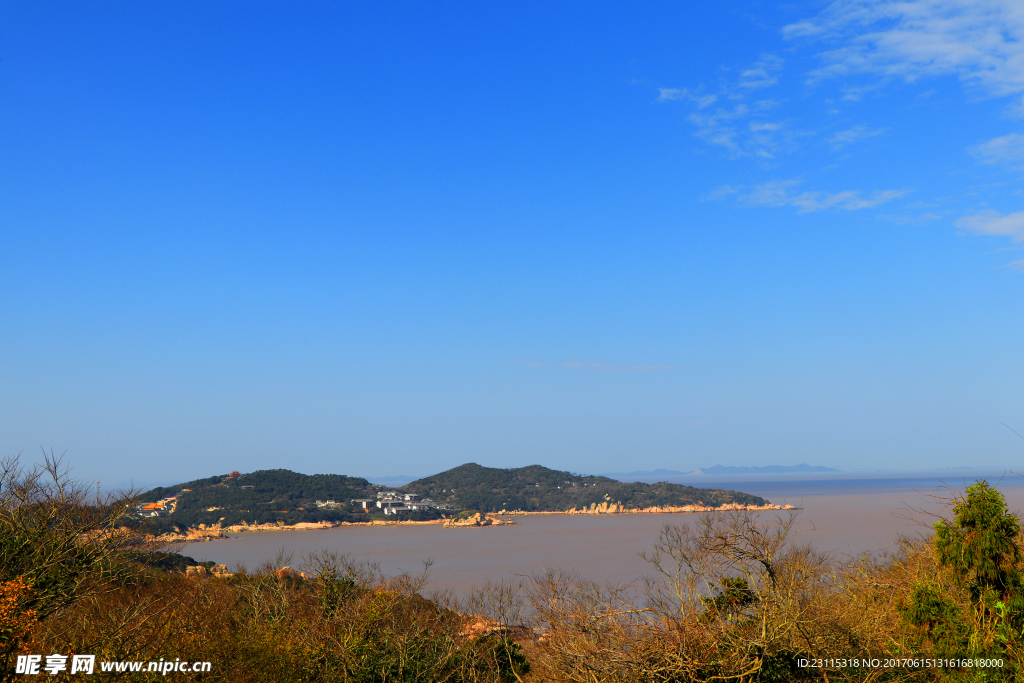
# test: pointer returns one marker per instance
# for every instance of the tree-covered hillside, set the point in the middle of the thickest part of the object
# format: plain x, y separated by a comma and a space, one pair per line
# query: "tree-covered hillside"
289, 497
282, 486
266, 496
537, 488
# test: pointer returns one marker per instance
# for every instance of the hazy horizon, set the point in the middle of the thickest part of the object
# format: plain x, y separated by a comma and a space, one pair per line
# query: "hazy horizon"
385, 240
745, 481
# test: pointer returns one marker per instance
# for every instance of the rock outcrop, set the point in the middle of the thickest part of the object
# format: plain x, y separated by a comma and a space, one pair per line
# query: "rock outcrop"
477, 520
610, 508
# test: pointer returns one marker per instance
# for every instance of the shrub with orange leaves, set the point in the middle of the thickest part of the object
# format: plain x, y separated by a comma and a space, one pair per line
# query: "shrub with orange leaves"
16, 622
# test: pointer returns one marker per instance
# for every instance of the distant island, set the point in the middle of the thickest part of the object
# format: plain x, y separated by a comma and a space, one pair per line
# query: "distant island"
724, 470
287, 498
539, 489
646, 474
768, 469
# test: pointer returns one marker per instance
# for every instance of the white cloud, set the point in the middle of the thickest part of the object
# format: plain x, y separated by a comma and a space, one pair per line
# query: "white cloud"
1008, 149
913, 219
666, 94
851, 135
758, 139
994, 223
724, 126
762, 73
670, 94
720, 193
783, 193
998, 225
980, 41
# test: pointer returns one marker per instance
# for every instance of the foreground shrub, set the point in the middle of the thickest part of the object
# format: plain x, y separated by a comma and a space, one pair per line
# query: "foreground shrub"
731, 597
342, 624
16, 621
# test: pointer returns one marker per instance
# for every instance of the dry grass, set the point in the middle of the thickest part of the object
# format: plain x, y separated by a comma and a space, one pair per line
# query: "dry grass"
730, 598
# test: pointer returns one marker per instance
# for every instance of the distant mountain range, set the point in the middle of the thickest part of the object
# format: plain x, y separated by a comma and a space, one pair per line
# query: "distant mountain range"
767, 469
718, 470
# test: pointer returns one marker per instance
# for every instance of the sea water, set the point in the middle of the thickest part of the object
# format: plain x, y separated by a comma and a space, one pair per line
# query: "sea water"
845, 517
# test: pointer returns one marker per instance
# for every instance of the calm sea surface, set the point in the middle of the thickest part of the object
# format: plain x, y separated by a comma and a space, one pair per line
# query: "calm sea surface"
846, 517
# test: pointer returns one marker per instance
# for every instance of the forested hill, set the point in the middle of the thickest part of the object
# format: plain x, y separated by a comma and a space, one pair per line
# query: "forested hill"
264, 485
289, 497
537, 488
265, 495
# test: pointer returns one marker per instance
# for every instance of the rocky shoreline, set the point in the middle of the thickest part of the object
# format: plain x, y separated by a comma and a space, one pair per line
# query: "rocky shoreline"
215, 531
609, 508
477, 520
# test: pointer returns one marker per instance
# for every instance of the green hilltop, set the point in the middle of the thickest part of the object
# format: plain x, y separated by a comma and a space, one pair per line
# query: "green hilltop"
264, 496
539, 489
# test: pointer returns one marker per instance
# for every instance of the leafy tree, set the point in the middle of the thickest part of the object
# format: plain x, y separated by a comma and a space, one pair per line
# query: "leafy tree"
980, 544
978, 550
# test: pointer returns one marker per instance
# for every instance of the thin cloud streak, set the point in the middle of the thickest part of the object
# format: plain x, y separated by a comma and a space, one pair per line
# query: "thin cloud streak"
598, 366
778, 193
851, 135
1007, 149
593, 366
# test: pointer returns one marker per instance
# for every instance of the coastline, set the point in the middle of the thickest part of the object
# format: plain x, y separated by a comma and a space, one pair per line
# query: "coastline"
616, 509
204, 532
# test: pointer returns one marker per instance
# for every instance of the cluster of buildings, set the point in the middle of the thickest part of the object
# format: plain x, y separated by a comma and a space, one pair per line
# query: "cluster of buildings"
161, 508
391, 502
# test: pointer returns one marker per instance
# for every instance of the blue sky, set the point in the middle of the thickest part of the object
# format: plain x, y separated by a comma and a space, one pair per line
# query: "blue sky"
388, 238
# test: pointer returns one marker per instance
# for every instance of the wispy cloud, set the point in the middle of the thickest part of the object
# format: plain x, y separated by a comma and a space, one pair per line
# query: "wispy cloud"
1008, 149
980, 41
743, 129
597, 366
994, 223
720, 193
704, 101
908, 218
667, 94
785, 193
531, 363
763, 73
851, 135
594, 366
698, 99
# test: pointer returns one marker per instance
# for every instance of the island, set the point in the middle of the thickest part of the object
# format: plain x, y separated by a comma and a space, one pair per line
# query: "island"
272, 500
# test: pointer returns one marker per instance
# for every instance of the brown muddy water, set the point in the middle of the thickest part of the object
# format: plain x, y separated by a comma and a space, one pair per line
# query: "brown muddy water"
843, 517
